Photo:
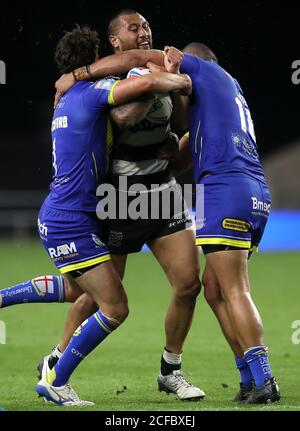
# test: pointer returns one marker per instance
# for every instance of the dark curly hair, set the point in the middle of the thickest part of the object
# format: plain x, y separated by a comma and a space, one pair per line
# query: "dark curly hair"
76, 48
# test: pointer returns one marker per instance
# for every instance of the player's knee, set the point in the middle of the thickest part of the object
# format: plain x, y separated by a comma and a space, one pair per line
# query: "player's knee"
212, 292
118, 313
72, 293
123, 312
188, 290
85, 303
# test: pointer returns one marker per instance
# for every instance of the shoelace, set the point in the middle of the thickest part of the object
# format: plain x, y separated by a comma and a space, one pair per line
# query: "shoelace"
71, 393
181, 377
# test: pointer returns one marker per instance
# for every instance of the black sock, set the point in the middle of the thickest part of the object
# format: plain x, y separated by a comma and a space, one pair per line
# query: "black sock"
54, 357
52, 361
166, 368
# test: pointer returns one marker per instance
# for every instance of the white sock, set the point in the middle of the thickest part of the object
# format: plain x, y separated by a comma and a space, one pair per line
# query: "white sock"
172, 358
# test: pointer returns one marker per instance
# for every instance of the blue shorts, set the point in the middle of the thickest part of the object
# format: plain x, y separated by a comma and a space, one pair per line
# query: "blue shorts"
72, 239
235, 212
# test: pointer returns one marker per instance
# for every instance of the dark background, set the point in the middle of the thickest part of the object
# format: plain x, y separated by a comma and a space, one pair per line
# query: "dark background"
255, 41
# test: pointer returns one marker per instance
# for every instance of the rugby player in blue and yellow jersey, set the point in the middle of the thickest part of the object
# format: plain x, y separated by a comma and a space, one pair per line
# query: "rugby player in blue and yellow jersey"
224, 154
69, 228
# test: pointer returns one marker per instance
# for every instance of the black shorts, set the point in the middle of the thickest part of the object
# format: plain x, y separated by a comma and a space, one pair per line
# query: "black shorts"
127, 235
212, 248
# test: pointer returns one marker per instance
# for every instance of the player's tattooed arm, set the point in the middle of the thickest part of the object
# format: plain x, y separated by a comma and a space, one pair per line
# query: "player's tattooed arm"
130, 114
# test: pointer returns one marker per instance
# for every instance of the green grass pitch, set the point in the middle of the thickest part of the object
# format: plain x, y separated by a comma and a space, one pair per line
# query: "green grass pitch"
130, 357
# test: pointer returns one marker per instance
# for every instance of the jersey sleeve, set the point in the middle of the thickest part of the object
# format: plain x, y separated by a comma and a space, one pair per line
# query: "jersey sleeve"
190, 64
99, 94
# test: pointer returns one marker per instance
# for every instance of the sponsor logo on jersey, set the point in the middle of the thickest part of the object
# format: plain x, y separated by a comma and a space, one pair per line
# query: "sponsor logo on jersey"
104, 84
260, 205
42, 228
245, 146
235, 224
59, 123
62, 250
58, 182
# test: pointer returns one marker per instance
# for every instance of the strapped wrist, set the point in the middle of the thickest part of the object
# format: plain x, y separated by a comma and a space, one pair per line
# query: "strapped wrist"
82, 73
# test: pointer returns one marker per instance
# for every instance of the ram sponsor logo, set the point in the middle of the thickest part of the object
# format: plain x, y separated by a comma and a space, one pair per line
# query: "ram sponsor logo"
62, 250
260, 205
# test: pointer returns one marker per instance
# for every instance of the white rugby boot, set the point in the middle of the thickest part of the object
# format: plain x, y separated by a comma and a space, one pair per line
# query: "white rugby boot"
61, 395
177, 383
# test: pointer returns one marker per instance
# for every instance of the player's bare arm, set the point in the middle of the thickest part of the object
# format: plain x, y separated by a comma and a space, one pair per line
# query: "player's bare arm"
132, 113
184, 160
161, 82
172, 60
155, 67
123, 61
110, 65
170, 148
180, 114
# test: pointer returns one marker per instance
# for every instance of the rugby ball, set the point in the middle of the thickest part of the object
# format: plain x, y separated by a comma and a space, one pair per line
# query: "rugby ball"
161, 110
